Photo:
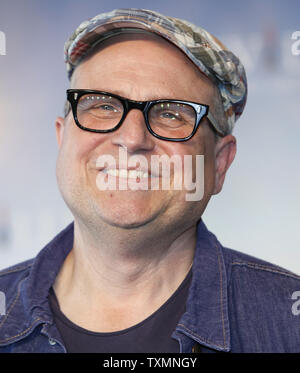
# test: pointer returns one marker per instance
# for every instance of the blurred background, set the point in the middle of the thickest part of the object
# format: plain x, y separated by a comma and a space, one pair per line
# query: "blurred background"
258, 209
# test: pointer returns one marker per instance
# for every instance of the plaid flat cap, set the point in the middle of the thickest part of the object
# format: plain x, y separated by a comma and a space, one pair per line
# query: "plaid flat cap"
204, 50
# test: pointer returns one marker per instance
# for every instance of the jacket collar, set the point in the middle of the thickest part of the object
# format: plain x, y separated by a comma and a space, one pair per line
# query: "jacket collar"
29, 306
206, 317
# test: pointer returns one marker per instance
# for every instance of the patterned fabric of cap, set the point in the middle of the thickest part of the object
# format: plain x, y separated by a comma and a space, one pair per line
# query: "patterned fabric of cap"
205, 51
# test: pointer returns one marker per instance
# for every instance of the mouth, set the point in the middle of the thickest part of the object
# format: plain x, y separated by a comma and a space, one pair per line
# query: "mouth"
125, 173
111, 177
125, 179
128, 172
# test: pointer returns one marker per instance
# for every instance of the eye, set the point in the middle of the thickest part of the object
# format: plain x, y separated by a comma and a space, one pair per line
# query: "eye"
106, 107
167, 111
102, 103
170, 115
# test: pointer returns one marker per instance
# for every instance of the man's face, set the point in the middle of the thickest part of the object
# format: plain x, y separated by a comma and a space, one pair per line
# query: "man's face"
140, 68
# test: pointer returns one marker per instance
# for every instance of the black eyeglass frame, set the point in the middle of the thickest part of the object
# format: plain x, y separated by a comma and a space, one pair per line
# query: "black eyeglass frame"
201, 110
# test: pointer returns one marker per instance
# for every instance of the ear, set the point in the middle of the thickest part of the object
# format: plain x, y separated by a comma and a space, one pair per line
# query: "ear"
225, 151
59, 128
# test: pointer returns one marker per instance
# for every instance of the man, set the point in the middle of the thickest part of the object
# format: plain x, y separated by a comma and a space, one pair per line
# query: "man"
138, 271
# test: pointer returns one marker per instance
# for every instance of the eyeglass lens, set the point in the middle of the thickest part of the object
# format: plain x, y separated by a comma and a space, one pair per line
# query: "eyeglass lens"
167, 118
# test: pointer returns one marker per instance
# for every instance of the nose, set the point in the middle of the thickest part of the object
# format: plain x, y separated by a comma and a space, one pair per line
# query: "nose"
133, 133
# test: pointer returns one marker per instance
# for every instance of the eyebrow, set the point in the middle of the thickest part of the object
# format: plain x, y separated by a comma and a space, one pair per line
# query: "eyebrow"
121, 93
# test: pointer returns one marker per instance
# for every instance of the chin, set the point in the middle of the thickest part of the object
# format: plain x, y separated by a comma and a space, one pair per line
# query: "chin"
126, 222
128, 214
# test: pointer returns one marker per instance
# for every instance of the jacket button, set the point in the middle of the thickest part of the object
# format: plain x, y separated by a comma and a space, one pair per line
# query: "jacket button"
196, 348
51, 342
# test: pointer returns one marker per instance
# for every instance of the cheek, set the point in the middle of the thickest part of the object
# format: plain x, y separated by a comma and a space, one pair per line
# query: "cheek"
209, 167
71, 154
205, 148
76, 155
65, 166
209, 172
77, 144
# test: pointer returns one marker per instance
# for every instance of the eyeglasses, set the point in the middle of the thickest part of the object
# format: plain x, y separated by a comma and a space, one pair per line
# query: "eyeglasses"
103, 112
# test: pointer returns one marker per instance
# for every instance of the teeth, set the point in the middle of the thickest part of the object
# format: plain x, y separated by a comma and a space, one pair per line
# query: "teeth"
122, 173
126, 173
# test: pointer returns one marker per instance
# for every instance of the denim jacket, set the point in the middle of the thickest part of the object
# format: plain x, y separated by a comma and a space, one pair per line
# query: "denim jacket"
236, 303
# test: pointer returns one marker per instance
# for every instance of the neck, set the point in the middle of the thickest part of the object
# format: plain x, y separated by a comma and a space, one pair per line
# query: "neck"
122, 270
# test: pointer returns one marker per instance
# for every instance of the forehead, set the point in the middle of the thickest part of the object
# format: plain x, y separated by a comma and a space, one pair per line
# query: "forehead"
142, 64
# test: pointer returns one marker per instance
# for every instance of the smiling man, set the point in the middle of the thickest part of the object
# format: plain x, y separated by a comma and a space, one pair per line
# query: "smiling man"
137, 270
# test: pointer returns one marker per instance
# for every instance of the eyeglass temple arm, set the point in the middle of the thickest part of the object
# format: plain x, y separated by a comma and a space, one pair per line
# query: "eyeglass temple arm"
215, 124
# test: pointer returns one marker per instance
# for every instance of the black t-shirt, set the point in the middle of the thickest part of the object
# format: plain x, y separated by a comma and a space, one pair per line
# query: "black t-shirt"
151, 335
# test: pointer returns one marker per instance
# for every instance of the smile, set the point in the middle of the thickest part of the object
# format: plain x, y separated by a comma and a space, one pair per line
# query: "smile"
130, 174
